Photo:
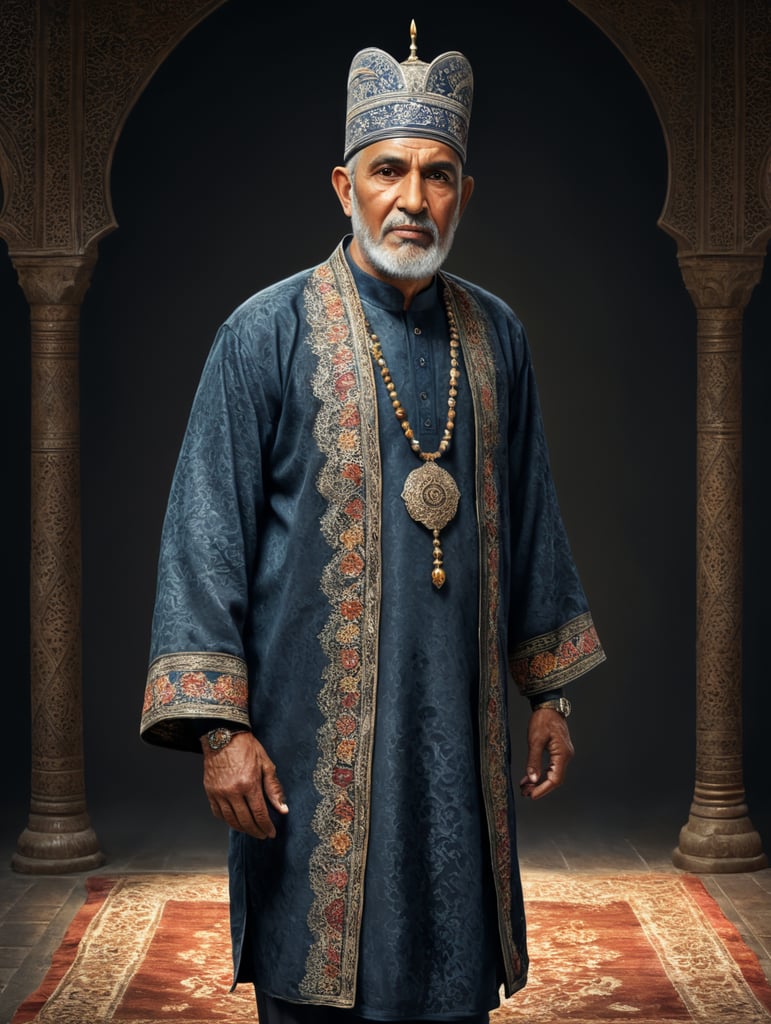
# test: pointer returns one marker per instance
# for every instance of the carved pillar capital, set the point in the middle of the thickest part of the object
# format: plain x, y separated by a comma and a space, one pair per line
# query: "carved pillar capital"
54, 280
723, 281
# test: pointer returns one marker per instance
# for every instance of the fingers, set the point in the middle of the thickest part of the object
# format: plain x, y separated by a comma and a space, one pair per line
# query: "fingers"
239, 814
274, 790
237, 780
550, 750
535, 785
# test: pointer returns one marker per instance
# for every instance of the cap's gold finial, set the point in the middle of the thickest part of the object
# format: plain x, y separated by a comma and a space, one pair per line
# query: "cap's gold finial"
413, 41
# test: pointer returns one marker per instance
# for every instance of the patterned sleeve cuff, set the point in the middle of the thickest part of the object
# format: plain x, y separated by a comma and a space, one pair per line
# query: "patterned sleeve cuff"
187, 687
551, 660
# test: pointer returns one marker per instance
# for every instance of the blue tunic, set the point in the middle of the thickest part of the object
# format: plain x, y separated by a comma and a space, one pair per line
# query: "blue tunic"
429, 943
295, 596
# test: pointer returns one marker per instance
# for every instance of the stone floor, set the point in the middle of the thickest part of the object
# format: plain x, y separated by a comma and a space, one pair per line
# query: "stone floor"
36, 910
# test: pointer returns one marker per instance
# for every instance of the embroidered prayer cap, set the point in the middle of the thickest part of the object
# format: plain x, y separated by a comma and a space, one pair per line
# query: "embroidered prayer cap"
387, 100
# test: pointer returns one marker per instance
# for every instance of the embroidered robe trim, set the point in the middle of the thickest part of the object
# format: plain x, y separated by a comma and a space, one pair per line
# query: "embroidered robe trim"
556, 658
186, 687
350, 483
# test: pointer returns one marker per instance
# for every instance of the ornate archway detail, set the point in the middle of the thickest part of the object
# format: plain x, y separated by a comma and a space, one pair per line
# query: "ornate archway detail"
706, 66
70, 73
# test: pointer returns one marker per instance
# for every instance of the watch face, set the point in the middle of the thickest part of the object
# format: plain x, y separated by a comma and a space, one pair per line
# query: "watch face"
219, 738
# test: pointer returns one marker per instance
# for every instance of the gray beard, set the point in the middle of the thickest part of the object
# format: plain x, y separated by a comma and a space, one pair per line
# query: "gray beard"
410, 262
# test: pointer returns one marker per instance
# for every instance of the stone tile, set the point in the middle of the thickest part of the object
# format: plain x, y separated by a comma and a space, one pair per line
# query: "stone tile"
597, 855
765, 966
744, 884
6, 974
47, 889
13, 956
37, 909
21, 933
38, 913
12, 889
545, 858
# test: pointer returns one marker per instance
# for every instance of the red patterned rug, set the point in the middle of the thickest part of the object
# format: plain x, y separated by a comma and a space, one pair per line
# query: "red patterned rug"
147, 949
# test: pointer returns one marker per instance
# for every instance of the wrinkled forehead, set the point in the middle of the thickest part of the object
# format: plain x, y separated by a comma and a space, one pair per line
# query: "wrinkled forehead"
405, 150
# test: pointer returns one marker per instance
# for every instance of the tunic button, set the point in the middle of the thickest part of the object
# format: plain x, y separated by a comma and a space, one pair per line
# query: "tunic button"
423, 395
417, 330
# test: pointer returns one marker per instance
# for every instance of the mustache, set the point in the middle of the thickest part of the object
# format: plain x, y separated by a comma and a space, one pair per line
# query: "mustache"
423, 221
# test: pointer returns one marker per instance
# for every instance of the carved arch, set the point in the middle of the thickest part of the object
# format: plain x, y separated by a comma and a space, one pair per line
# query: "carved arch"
70, 74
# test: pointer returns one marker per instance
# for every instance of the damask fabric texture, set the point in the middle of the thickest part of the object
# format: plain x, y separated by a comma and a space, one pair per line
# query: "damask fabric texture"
295, 595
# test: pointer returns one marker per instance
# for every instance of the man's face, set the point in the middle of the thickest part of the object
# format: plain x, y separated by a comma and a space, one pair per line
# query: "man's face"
405, 202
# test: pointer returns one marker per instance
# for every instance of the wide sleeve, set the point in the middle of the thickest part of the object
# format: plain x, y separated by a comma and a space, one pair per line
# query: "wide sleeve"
208, 542
552, 636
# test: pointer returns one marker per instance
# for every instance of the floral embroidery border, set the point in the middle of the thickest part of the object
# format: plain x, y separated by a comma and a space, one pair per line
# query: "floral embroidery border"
553, 659
350, 525
193, 684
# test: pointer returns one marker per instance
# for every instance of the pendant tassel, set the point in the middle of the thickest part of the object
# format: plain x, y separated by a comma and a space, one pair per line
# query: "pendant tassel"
437, 575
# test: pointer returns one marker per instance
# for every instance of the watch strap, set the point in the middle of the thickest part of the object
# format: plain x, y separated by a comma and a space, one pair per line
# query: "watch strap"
559, 704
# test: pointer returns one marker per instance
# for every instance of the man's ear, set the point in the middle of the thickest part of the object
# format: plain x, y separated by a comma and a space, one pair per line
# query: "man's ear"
466, 188
342, 184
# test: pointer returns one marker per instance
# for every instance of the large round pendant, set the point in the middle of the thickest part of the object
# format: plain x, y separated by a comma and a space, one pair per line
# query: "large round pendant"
431, 496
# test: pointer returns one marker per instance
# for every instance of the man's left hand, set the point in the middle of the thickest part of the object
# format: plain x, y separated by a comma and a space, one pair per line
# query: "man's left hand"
549, 752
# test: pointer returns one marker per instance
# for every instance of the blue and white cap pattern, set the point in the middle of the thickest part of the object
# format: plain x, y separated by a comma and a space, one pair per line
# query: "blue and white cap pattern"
388, 100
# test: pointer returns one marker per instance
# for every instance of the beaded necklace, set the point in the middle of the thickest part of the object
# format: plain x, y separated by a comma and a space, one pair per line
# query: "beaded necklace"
430, 493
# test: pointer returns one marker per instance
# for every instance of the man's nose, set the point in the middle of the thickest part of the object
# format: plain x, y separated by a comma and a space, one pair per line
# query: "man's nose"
412, 198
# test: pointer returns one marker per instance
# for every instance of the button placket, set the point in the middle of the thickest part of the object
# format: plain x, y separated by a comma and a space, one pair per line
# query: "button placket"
424, 390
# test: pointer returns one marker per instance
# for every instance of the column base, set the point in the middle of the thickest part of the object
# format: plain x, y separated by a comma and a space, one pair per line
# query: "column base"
719, 846
58, 853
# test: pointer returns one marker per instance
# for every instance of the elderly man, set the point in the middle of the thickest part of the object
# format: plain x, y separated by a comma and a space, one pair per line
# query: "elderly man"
362, 549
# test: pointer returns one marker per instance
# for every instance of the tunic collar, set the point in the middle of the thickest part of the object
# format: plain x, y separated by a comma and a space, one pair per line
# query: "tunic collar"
386, 296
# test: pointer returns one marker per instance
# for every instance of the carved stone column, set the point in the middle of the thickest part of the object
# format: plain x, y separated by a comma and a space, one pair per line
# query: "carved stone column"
719, 835
58, 837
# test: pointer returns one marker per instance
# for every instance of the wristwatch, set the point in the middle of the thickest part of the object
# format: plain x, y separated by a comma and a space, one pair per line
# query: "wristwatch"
220, 737
561, 704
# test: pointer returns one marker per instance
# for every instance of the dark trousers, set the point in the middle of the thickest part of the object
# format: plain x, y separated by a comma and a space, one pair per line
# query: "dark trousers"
278, 1011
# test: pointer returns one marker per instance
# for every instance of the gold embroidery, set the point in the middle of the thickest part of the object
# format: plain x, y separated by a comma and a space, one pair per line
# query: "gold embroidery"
193, 684
350, 483
553, 659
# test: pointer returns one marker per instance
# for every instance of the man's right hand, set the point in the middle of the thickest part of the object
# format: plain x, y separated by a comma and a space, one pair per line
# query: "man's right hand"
238, 779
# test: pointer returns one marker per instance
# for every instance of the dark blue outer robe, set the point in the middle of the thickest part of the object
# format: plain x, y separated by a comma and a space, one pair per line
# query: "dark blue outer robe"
294, 597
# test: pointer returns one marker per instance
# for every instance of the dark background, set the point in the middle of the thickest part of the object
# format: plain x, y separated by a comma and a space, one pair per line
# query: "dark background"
220, 185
